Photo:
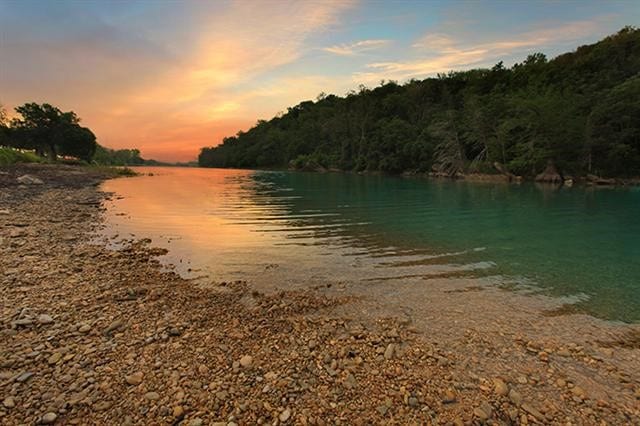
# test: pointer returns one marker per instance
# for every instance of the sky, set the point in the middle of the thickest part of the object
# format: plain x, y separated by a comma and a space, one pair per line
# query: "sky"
169, 77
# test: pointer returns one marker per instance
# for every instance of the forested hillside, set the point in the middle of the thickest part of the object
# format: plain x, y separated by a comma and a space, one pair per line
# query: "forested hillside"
580, 111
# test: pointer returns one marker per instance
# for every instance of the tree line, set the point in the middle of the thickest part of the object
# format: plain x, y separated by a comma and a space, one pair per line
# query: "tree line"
51, 133
579, 111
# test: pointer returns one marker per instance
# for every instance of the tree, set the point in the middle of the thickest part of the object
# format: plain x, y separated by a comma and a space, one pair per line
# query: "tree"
4, 126
77, 141
578, 111
614, 131
50, 131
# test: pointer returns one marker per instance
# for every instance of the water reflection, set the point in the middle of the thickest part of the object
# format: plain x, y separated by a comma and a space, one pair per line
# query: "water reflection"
292, 229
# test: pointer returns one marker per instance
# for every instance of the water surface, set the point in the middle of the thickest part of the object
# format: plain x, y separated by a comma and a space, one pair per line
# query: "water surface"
308, 229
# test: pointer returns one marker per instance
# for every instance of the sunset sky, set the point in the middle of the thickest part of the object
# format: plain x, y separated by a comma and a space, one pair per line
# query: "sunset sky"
170, 77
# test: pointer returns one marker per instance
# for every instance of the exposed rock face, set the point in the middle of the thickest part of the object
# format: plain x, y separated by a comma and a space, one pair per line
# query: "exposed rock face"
550, 174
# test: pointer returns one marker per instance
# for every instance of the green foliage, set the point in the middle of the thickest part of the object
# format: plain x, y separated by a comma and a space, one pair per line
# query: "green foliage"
47, 130
12, 156
117, 157
579, 110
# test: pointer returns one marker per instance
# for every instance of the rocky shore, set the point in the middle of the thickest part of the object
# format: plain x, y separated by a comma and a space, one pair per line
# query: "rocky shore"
91, 335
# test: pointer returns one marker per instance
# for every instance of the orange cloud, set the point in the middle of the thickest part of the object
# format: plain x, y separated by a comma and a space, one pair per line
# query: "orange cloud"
170, 99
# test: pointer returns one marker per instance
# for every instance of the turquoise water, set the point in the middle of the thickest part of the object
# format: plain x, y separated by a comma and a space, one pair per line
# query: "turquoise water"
578, 242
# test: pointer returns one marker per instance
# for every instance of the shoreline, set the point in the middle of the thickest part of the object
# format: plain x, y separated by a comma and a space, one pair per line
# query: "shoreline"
95, 336
582, 181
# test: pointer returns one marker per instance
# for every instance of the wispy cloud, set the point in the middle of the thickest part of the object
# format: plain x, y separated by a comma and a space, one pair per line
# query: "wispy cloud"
164, 93
356, 48
443, 52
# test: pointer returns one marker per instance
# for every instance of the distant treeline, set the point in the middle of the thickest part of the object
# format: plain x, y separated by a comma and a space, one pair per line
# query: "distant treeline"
580, 111
51, 133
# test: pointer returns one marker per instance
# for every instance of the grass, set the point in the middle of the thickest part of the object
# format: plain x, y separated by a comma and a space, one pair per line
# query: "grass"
10, 156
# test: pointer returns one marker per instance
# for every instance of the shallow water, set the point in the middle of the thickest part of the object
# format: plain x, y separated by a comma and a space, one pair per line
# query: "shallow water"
310, 229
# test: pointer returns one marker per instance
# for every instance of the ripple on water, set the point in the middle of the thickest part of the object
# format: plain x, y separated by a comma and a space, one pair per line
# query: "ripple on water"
578, 243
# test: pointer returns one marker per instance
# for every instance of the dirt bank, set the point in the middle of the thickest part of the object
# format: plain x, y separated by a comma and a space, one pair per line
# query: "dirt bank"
94, 336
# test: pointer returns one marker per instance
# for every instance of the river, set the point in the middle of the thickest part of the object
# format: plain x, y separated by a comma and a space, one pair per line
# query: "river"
290, 229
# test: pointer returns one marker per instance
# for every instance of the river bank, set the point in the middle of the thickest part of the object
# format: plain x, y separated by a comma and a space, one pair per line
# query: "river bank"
97, 336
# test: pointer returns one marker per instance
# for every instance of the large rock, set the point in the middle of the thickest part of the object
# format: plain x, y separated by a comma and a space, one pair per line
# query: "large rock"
550, 174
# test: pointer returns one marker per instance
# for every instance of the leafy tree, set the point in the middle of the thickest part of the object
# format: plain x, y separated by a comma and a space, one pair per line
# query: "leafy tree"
77, 141
50, 131
578, 111
117, 157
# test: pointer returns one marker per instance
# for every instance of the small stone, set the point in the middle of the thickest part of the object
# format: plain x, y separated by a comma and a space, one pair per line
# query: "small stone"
49, 418
561, 383
449, 397
515, 397
152, 396
413, 402
388, 353
350, 381
135, 378
55, 358
115, 325
102, 406
45, 319
9, 402
501, 387
564, 352
84, 328
481, 414
534, 412
196, 422
178, 411
24, 377
246, 361
578, 391
284, 416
